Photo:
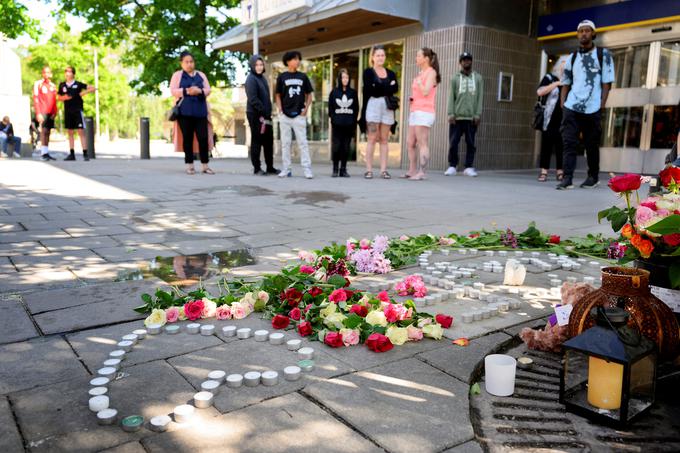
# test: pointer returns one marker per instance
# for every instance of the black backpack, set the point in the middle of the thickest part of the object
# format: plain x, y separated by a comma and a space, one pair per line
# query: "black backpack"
598, 50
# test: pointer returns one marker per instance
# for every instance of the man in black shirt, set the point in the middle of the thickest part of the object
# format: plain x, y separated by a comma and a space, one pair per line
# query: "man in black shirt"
70, 93
293, 98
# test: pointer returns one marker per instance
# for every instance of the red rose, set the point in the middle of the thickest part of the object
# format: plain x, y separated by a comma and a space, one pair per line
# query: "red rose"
280, 322
194, 309
314, 291
383, 297
377, 342
554, 239
668, 174
292, 295
625, 183
333, 339
295, 314
347, 282
673, 240
339, 295
359, 310
308, 307
305, 328
307, 269
444, 320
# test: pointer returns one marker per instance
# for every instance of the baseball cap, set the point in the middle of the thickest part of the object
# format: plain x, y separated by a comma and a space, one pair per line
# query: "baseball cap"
586, 23
465, 56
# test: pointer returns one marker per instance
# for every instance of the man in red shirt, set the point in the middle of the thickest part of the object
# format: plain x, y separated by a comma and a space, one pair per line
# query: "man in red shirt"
45, 106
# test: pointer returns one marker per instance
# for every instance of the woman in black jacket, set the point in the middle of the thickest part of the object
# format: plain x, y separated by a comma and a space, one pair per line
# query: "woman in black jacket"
380, 85
259, 114
343, 108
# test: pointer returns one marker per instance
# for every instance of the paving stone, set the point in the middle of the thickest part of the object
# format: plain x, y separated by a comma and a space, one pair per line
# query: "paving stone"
87, 242
270, 427
25, 236
54, 225
467, 447
107, 230
533, 324
463, 362
202, 246
37, 362
22, 248
74, 258
7, 227
134, 253
129, 447
15, 325
241, 356
10, 439
93, 346
403, 406
37, 280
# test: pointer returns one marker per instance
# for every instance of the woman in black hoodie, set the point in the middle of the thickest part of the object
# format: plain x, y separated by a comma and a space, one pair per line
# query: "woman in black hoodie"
343, 108
259, 114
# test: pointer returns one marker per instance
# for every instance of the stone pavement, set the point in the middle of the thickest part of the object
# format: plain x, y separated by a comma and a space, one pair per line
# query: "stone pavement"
69, 229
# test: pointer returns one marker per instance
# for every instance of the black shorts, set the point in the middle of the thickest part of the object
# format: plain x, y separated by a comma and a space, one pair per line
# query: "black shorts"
48, 121
74, 120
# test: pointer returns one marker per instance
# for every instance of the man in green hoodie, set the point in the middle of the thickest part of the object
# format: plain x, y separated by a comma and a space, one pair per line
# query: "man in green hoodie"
465, 112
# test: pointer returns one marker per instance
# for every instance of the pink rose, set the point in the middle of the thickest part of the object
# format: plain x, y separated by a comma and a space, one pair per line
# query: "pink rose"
350, 337
307, 269
364, 244
209, 308
172, 314
223, 312
403, 237
295, 314
383, 297
339, 295
238, 311
306, 256
643, 215
414, 333
391, 313
649, 203
193, 309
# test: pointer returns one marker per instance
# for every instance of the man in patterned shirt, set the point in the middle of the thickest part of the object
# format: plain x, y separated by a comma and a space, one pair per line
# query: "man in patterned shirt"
45, 106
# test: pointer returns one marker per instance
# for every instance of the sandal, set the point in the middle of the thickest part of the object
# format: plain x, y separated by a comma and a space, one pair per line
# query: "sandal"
559, 176
543, 177
406, 176
191, 171
368, 175
208, 171
418, 178
385, 175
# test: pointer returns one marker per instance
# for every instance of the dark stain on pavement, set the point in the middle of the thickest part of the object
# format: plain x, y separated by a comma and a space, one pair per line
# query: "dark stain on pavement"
245, 190
313, 198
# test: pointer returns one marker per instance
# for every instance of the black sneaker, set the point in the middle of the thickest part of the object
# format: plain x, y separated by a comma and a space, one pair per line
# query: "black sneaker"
344, 174
566, 184
259, 172
71, 157
86, 158
47, 157
335, 173
273, 171
590, 183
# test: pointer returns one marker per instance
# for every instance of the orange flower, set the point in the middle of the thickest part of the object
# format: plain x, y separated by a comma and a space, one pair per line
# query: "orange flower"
636, 240
645, 248
627, 231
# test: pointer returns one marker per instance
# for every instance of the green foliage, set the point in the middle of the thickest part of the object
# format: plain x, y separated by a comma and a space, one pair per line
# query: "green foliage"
15, 20
156, 31
618, 217
668, 225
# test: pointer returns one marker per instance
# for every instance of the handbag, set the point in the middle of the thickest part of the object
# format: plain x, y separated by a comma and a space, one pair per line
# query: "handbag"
174, 111
537, 123
392, 102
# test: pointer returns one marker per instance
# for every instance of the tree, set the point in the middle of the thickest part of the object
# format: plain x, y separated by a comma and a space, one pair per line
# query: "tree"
156, 31
15, 21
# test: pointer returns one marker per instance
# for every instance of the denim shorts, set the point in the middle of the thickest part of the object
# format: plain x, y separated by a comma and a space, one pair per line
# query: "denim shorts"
377, 112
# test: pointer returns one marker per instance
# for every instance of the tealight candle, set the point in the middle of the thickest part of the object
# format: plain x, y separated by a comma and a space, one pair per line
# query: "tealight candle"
153, 329
525, 363
97, 391
229, 331
107, 372
276, 338
217, 375
203, 400
113, 363
503, 253
207, 330
117, 354
131, 337
571, 279
306, 365
444, 296
589, 280
468, 317
210, 386
292, 373
243, 333
99, 403
107, 416
462, 251
100, 382
515, 304
193, 328
261, 335
419, 301
183, 413
252, 378
132, 423
306, 353
446, 252
486, 313
171, 330
489, 253
293, 345
270, 378
477, 316
159, 423
234, 380
126, 345
141, 333
503, 306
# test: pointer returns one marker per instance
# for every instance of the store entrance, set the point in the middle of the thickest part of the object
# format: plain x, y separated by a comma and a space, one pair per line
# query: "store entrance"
350, 62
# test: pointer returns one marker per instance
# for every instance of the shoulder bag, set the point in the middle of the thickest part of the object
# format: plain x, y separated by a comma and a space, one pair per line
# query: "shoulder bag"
174, 111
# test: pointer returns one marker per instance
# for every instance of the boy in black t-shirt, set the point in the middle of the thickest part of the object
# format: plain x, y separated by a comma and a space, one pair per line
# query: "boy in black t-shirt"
293, 98
70, 93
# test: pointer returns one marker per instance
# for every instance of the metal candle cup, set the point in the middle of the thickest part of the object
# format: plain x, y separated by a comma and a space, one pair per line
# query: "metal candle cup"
193, 328
270, 378
210, 386
98, 391
131, 337
183, 413
117, 354
113, 363
207, 330
132, 423
229, 331
107, 372
153, 329
243, 333
217, 375
141, 333
261, 335
126, 345
305, 353
172, 330
159, 423
306, 365
107, 416
234, 381
203, 400
276, 338
98, 403
292, 373
252, 378
293, 345
100, 382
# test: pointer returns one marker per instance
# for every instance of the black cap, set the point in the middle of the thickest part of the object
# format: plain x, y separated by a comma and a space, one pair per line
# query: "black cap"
465, 56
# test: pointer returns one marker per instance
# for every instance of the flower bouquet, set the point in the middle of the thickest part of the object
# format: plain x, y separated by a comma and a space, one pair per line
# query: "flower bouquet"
649, 228
369, 256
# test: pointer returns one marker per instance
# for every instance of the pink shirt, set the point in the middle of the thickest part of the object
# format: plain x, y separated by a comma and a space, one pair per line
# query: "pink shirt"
419, 102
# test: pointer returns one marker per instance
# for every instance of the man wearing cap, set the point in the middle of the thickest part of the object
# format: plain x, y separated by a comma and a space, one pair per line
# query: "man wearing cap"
586, 82
465, 112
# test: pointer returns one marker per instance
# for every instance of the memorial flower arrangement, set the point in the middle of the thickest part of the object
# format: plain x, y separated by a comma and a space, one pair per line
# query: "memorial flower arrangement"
649, 228
369, 256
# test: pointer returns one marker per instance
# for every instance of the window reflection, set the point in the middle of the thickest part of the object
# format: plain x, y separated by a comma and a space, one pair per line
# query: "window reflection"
669, 64
319, 72
665, 126
630, 64
621, 127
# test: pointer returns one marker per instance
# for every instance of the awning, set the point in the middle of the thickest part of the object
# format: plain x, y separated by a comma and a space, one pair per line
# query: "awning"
323, 21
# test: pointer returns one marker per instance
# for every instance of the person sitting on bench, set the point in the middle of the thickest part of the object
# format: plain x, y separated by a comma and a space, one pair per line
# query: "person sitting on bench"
7, 136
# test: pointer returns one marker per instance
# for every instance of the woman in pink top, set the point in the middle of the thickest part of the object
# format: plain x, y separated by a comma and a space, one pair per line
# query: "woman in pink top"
421, 112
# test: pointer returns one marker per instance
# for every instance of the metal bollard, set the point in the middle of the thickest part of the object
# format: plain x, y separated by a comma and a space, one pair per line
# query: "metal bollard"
89, 136
144, 138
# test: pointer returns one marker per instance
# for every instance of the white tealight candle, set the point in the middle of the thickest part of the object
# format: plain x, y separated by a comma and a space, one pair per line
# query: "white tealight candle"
270, 378
141, 333
153, 329
207, 330
243, 333
183, 413
293, 345
100, 382
477, 315
229, 331
117, 354
234, 380
113, 363
193, 328
99, 403
203, 400
159, 423
210, 386
172, 330
131, 337
107, 416
276, 338
97, 391
292, 373
306, 365
107, 372
217, 375
261, 335
305, 353
468, 318
126, 345
252, 378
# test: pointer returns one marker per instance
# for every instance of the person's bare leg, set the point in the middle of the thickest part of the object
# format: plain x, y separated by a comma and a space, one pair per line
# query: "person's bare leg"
411, 146
372, 136
423, 138
71, 141
384, 135
83, 143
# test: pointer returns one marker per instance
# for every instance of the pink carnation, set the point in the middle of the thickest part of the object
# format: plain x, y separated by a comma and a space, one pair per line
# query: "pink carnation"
364, 244
403, 237
172, 314
339, 295
223, 312
350, 337
306, 256
306, 269
649, 203
383, 297
414, 333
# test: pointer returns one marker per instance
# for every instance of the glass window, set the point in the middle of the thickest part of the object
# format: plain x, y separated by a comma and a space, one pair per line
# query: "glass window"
621, 127
630, 64
665, 126
319, 72
669, 65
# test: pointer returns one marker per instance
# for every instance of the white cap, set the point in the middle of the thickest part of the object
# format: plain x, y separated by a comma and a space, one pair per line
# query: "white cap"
586, 23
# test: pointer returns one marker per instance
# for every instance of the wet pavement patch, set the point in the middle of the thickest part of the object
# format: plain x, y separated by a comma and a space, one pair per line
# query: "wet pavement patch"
245, 190
186, 270
319, 196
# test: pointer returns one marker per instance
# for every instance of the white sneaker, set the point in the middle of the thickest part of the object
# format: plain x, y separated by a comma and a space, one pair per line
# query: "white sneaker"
308, 173
470, 171
285, 174
17, 155
451, 171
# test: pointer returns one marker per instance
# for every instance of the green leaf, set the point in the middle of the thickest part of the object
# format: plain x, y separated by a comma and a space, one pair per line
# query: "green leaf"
146, 298
353, 321
338, 281
142, 309
603, 214
474, 389
618, 219
669, 225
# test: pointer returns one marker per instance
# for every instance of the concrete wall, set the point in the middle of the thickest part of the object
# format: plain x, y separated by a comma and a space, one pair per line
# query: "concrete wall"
12, 102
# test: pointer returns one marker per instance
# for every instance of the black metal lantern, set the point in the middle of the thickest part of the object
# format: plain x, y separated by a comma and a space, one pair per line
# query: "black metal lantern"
609, 371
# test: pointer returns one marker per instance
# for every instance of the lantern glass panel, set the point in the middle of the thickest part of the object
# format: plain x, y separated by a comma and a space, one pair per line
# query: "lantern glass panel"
642, 378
